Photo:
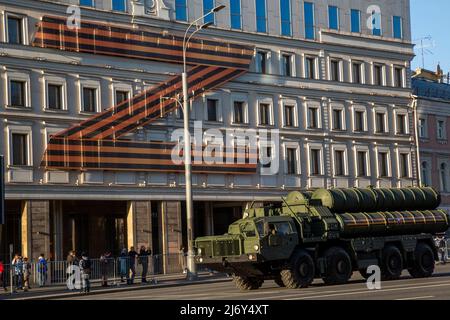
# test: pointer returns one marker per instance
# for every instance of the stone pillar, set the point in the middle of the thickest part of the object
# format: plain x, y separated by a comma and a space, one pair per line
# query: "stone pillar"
35, 229
172, 238
139, 224
57, 235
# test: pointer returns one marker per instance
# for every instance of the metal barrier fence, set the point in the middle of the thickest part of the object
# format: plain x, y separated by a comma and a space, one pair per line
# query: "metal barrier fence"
115, 270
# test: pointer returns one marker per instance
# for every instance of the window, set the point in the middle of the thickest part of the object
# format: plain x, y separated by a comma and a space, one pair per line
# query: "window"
335, 74
291, 155
357, 78
359, 121
285, 13
90, 99
19, 149
208, 5
119, 5
443, 177
425, 174
17, 93
181, 10
361, 158
268, 157
397, 27
383, 164
313, 118
15, 30
339, 169
87, 3
309, 21
261, 62
404, 165
376, 23
337, 119
377, 75
286, 65
289, 116
54, 96
264, 114
422, 128
401, 124
121, 96
333, 17
261, 16
380, 122
310, 68
238, 112
355, 20
315, 162
441, 134
212, 109
235, 14
398, 77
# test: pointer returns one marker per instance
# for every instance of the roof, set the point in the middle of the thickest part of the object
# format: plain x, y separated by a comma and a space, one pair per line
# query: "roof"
430, 89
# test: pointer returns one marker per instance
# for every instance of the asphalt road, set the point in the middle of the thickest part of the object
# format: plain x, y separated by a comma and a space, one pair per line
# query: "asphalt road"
435, 288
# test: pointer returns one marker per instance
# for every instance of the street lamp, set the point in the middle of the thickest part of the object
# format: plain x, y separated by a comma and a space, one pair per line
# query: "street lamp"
191, 267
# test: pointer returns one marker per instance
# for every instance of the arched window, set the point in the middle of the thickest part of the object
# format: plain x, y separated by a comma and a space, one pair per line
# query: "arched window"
443, 175
425, 176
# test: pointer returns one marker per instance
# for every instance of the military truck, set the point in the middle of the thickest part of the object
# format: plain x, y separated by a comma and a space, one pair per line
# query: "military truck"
329, 234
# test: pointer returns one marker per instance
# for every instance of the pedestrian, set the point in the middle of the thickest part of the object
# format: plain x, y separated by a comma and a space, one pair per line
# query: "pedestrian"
72, 258
182, 257
123, 265
17, 265
72, 264
132, 255
442, 250
26, 265
42, 270
2, 276
85, 269
104, 263
143, 260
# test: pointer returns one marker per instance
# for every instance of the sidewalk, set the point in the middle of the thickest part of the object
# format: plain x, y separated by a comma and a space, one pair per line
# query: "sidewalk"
161, 281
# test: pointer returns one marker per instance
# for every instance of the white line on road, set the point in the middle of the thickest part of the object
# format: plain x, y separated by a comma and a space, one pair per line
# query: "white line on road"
415, 298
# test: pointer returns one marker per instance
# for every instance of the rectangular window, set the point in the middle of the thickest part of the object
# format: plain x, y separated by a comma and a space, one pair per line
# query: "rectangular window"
19, 149
315, 162
268, 156
383, 163
357, 78
261, 16
310, 32
397, 27
286, 65
441, 130
401, 124
212, 109
422, 128
235, 14
54, 96
333, 17
313, 118
398, 77
337, 119
17, 93
291, 161
339, 162
376, 23
181, 10
261, 62
377, 75
289, 116
119, 5
310, 68
87, 3
121, 96
356, 20
238, 112
359, 121
285, 13
362, 163
15, 30
208, 5
264, 114
381, 122
404, 165
335, 70
90, 99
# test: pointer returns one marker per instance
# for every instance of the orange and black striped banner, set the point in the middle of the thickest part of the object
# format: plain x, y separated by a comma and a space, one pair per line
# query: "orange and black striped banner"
213, 63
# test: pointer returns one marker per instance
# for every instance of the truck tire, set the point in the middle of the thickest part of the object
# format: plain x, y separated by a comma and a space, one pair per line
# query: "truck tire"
364, 274
247, 284
300, 272
279, 281
423, 264
338, 266
392, 263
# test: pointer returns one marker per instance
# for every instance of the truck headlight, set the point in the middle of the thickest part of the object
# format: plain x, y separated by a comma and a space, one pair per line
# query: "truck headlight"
200, 260
256, 247
251, 257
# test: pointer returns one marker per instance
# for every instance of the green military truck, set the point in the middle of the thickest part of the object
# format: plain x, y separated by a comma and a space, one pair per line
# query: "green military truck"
329, 234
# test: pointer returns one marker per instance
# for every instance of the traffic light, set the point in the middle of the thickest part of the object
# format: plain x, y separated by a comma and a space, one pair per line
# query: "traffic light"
2, 190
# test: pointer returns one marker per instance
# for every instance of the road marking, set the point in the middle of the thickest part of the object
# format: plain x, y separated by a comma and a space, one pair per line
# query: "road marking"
416, 298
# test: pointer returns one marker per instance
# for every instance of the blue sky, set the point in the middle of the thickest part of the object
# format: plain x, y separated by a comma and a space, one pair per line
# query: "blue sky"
430, 18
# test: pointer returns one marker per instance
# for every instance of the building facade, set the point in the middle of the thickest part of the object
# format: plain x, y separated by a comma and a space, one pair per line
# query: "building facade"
332, 76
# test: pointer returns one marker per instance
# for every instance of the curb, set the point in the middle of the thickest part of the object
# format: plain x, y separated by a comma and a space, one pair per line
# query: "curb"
124, 289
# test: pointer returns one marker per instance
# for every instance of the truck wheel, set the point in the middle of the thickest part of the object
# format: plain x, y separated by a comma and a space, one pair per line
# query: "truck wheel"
423, 265
392, 263
247, 284
300, 272
339, 266
279, 281
364, 274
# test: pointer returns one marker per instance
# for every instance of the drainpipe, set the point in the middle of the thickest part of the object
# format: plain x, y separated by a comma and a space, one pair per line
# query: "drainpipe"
416, 134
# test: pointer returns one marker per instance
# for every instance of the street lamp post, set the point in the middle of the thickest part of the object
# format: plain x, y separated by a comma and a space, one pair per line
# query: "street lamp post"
191, 267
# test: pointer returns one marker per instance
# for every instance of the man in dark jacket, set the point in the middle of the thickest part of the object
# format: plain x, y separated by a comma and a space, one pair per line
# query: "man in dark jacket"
132, 255
143, 260
85, 268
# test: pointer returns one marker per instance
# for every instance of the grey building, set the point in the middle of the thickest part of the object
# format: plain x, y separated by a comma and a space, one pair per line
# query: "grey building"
337, 88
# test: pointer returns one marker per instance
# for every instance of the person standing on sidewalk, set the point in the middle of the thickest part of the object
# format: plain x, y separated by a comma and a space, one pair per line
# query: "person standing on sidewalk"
132, 255
17, 265
104, 264
123, 265
143, 260
26, 274
2, 276
42, 270
85, 268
